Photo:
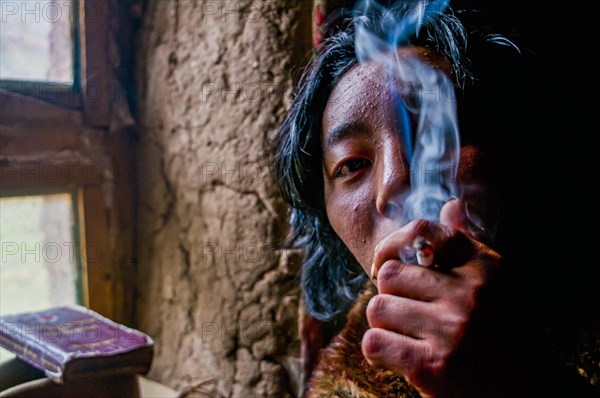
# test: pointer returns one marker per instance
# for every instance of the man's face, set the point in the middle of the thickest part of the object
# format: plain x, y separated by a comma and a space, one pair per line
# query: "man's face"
365, 167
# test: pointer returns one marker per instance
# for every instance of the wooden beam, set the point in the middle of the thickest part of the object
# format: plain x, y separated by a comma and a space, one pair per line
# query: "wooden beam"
97, 256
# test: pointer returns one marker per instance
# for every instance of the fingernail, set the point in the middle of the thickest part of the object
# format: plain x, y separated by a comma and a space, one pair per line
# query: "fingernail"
372, 346
451, 198
373, 276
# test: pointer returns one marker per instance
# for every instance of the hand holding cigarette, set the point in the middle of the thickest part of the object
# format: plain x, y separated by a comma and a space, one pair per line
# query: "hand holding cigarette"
451, 216
423, 310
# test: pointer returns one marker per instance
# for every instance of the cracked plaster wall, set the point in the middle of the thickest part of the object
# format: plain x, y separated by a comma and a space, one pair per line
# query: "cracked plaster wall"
218, 298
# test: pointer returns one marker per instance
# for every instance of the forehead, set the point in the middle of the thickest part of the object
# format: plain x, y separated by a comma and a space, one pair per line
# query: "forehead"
363, 80
364, 91
359, 92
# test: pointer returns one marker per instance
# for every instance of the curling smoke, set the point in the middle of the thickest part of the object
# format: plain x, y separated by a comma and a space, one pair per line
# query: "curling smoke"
424, 94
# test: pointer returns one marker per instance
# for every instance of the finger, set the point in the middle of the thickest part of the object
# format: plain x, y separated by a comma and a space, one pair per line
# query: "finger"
398, 245
401, 315
391, 350
451, 247
413, 281
453, 215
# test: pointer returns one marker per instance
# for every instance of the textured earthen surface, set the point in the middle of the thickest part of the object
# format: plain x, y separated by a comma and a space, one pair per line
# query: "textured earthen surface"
214, 291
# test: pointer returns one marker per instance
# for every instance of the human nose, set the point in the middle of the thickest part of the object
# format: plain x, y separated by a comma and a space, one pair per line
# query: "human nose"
392, 180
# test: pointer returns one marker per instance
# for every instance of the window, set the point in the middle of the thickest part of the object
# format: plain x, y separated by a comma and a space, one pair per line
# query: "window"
37, 41
57, 51
65, 182
40, 264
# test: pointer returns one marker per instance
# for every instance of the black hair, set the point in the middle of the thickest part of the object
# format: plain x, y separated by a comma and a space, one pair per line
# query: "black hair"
331, 277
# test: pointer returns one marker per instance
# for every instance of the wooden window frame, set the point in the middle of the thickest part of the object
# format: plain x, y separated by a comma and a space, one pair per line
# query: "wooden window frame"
37, 132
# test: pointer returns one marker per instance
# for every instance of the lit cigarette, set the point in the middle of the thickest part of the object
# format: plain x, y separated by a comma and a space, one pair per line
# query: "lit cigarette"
424, 249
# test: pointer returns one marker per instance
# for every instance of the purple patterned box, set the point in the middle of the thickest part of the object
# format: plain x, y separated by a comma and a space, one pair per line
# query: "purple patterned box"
73, 341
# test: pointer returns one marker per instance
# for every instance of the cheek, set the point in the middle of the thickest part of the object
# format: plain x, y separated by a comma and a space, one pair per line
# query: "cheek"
351, 218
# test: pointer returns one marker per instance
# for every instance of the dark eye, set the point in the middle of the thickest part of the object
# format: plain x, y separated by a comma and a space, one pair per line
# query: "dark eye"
351, 167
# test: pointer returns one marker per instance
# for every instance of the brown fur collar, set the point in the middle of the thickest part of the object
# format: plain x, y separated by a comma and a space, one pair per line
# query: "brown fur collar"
344, 372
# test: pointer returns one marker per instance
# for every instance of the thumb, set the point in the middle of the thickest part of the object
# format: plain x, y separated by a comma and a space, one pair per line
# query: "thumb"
453, 215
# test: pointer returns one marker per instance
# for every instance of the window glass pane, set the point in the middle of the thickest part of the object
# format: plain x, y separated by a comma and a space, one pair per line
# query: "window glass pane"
39, 254
35, 40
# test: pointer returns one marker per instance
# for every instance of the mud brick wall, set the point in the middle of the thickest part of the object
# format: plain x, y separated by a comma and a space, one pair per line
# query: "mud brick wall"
213, 290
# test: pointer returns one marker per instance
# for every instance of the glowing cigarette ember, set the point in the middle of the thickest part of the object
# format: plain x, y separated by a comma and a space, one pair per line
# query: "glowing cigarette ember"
424, 249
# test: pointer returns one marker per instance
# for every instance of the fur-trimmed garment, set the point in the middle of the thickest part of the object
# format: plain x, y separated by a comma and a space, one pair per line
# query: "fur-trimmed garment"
342, 370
